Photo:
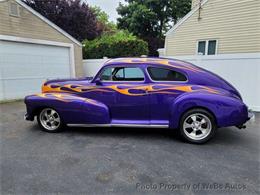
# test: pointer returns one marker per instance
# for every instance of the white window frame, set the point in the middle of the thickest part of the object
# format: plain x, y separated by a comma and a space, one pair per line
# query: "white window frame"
207, 46
10, 10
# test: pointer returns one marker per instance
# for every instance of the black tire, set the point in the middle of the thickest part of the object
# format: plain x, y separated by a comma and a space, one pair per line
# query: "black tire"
44, 127
197, 132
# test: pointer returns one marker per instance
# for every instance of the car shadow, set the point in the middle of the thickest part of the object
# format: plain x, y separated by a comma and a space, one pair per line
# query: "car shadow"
152, 133
224, 136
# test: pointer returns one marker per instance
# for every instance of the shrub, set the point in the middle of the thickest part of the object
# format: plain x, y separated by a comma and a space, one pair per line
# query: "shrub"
119, 44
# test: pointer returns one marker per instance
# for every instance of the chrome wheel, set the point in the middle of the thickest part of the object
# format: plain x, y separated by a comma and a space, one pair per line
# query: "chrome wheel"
50, 119
197, 126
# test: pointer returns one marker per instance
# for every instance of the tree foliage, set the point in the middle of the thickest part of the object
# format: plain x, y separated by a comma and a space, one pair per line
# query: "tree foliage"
103, 20
150, 19
75, 18
119, 44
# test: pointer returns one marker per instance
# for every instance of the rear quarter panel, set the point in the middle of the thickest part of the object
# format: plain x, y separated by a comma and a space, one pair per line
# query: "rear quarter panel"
228, 111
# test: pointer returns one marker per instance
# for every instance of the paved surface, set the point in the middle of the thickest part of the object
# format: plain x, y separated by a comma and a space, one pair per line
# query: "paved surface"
124, 161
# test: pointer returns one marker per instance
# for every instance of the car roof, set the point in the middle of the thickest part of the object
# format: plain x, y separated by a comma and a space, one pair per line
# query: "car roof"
170, 63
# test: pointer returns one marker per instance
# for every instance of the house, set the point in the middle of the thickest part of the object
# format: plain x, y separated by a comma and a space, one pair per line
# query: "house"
216, 27
222, 36
33, 49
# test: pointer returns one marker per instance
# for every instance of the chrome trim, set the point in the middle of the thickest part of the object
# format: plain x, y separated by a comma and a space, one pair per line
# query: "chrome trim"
251, 115
118, 125
25, 117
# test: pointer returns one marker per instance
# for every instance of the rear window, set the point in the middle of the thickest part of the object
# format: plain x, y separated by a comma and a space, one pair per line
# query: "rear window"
164, 74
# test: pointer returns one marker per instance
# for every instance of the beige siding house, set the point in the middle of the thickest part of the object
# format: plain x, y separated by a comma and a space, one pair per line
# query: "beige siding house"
216, 27
33, 49
222, 36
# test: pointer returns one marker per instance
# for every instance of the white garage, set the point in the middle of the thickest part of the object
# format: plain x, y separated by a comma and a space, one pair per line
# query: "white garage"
32, 50
24, 66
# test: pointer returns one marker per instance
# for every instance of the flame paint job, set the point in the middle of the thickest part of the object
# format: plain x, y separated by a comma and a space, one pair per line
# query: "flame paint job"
82, 101
66, 98
126, 89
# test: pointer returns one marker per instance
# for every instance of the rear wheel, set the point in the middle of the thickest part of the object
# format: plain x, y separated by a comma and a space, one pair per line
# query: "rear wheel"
49, 120
197, 126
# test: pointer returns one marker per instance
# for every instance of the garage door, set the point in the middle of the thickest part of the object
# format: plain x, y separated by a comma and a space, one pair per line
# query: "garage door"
24, 66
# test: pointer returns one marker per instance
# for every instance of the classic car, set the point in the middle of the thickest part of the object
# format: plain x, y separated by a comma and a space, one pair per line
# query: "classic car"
142, 92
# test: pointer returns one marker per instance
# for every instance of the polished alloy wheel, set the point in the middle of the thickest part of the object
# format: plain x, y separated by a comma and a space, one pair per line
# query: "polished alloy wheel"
197, 126
50, 119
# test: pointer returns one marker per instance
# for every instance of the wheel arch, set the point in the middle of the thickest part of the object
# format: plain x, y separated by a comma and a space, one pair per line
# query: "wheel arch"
38, 109
198, 107
189, 101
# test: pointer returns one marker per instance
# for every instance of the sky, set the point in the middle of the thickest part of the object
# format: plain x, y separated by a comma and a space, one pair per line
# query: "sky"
109, 6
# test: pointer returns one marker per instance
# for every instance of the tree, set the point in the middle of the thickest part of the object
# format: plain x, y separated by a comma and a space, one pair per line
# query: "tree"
150, 19
118, 44
103, 20
71, 15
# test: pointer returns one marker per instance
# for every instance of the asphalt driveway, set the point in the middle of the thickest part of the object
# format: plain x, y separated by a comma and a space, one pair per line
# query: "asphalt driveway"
124, 161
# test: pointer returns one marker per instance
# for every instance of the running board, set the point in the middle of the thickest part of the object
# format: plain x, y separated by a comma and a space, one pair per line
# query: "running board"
118, 125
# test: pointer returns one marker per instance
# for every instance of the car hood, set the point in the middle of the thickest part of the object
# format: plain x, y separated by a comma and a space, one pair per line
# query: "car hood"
62, 82
69, 81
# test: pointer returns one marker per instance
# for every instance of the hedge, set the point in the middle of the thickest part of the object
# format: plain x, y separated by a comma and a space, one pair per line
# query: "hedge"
121, 44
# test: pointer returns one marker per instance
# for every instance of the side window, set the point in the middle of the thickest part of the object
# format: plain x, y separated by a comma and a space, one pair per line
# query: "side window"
163, 74
106, 75
134, 73
122, 74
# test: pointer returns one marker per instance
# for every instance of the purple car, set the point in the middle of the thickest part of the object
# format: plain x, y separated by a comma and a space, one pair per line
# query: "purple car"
142, 92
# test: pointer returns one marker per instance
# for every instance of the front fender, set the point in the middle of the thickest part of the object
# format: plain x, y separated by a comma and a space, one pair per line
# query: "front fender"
228, 111
72, 108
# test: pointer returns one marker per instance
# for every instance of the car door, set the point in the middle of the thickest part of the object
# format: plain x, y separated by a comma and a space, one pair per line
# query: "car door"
165, 85
124, 91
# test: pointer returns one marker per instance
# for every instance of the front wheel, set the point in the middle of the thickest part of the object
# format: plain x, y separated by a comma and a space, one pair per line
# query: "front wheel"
49, 120
197, 126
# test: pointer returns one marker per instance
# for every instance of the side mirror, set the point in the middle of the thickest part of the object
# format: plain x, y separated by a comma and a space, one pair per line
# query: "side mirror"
98, 81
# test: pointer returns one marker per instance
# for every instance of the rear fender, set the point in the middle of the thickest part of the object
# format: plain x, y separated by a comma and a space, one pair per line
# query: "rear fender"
72, 108
227, 111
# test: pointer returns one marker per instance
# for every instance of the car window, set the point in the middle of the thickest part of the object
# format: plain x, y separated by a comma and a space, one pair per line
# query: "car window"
163, 74
122, 74
107, 74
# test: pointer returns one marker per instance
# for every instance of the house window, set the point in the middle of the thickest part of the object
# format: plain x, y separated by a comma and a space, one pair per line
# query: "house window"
207, 47
202, 47
13, 9
212, 47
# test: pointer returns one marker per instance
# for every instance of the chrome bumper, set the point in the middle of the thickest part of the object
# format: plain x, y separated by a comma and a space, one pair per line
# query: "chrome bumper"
251, 115
27, 117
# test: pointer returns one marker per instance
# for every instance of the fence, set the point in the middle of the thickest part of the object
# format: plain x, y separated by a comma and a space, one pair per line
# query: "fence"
92, 66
